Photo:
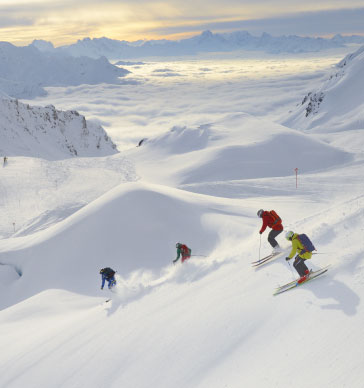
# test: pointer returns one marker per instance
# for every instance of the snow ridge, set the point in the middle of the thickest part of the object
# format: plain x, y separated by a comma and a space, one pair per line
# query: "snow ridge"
338, 104
49, 133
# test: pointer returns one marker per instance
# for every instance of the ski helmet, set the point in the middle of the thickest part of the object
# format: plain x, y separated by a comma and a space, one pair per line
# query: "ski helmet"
260, 213
177, 245
102, 270
289, 235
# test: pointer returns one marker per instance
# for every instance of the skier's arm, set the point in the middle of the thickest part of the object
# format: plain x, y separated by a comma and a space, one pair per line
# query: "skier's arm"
178, 255
294, 249
264, 226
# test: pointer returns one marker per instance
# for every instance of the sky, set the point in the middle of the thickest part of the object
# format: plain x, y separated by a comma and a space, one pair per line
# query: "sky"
64, 21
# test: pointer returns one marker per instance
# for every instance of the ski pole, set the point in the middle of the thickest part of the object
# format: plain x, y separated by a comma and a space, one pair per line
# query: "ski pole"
200, 255
260, 244
291, 269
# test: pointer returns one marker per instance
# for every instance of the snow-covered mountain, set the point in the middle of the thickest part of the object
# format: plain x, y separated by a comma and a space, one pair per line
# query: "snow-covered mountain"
339, 103
205, 42
49, 133
25, 71
212, 321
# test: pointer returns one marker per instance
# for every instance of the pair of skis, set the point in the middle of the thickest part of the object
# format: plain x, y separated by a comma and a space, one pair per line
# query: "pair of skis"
266, 259
294, 283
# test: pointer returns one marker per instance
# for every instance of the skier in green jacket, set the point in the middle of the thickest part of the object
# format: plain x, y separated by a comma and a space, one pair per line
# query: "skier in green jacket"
182, 250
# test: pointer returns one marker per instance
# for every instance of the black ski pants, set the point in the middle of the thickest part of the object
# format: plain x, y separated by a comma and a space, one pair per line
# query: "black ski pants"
272, 237
300, 265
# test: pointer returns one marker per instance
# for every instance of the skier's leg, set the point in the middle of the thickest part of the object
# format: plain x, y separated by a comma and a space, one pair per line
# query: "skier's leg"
272, 237
185, 258
300, 266
112, 283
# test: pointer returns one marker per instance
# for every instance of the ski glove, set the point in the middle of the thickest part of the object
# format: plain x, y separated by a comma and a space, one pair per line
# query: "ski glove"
288, 258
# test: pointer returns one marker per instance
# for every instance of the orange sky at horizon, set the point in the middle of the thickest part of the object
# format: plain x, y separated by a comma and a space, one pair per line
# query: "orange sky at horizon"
65, 22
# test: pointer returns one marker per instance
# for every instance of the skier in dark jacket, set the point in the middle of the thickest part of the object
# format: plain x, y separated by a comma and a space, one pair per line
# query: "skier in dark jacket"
109, 275
182, 250
273, 221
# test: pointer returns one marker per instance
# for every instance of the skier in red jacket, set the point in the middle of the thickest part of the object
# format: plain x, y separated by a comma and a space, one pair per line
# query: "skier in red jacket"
182, 250
273, 221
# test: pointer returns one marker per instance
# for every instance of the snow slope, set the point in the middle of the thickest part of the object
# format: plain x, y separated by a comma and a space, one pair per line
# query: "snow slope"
211, 322
36, 193
121, 213
214, 321
338, 104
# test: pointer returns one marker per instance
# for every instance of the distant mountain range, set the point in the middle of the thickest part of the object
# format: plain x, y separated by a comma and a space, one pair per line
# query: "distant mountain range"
49, 133
205, 42
25, 71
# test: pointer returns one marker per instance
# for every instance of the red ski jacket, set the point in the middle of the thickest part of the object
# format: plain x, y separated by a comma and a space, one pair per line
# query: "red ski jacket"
269, 220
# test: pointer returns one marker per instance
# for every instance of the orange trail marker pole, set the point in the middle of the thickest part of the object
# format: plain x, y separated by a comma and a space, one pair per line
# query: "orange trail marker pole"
296, 170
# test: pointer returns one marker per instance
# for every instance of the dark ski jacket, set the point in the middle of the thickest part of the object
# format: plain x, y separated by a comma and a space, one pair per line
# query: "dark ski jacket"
108, 275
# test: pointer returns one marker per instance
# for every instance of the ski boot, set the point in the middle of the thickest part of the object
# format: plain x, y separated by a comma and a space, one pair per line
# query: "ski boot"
304, 277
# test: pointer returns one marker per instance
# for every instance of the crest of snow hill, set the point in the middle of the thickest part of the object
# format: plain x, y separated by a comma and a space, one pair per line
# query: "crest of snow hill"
339, 103
239, 148
49, 133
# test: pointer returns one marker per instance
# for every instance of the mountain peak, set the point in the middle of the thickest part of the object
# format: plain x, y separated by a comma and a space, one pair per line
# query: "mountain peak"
49, 133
